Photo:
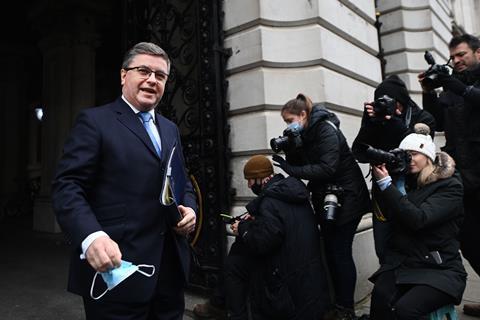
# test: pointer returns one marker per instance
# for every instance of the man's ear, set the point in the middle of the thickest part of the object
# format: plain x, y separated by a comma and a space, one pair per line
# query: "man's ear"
477, 54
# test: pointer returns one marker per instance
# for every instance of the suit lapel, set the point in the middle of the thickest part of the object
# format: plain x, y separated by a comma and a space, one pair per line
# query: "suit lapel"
128, 118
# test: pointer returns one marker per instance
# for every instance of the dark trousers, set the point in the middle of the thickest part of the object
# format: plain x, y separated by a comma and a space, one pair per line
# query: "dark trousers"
238, 269
382, 232
469, 232
338, 251
404, 302
168, 303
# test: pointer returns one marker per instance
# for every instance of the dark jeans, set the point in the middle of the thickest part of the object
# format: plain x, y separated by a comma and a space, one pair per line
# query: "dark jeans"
469, 232
238, 269
338, 251
404, 302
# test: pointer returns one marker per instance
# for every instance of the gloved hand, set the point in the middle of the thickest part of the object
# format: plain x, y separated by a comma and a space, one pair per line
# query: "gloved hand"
278, 161
450, 83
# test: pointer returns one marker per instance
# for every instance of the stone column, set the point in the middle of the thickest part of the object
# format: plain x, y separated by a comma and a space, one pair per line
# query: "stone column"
408, 29
68, 85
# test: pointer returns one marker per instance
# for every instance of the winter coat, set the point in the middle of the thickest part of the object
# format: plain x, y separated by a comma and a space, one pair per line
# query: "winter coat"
387, 135
325, 158
290, 282
459, 117
424, 249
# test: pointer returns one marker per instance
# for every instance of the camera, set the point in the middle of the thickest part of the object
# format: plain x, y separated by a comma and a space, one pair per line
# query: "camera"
433, 74
290, 140
397, 160
228, 219
331, 202
384, 106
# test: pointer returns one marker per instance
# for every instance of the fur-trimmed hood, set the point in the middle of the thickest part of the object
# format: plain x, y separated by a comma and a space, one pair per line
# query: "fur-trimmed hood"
444, 168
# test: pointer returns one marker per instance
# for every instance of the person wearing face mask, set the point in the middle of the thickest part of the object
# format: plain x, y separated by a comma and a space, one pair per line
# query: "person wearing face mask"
276, 257
324, 159
423, 269
457, 112
106, 196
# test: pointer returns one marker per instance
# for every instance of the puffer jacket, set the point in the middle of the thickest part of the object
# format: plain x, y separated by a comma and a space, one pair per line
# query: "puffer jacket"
424, 248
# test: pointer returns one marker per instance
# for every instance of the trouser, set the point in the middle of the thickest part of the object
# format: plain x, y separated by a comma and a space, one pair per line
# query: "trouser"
404, 302
238, 270
168, 302
338, 251
382, 228
382, 232
469, 232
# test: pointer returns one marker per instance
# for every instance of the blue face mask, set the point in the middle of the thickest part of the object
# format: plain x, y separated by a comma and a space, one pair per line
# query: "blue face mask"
113, 277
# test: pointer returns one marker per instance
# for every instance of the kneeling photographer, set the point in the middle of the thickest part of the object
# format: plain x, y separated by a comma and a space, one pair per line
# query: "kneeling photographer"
386, 121
317, 151
423, 268
276, 257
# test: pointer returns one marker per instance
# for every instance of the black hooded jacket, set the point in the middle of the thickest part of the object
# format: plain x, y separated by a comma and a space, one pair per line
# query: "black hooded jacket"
459, 117
325, 158
290, 282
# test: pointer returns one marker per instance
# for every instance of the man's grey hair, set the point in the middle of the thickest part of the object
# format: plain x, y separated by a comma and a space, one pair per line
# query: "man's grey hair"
145, 48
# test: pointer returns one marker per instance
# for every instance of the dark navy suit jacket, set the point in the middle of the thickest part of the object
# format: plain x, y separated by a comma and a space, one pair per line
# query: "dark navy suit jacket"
109, 178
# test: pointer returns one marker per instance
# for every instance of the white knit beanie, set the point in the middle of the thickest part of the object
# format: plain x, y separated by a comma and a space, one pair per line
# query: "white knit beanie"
420, 141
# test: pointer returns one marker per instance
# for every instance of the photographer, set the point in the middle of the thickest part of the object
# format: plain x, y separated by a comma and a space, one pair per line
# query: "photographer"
386, 121
323, 157
423, 268
276, 257
457, 113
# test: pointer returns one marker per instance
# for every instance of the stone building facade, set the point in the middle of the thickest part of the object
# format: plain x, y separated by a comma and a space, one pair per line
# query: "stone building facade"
65, 56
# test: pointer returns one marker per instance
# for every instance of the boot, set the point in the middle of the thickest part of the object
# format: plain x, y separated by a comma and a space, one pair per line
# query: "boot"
209, 311
472, 309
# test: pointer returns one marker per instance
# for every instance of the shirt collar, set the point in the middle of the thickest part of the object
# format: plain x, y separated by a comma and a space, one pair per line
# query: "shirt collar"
152, 112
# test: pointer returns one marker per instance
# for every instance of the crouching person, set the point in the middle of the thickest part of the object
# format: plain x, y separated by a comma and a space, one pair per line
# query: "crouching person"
275, 260
423, 269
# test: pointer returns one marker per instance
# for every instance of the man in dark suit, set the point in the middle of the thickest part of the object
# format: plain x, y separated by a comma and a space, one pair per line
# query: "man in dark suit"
106, 197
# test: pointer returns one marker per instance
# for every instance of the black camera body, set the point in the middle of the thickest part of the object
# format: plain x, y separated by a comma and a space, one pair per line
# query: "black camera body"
384, 106
291, 139
397, 160
432, 75
331, 202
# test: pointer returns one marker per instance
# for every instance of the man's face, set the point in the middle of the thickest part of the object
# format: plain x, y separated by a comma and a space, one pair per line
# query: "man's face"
141, 91
463, 57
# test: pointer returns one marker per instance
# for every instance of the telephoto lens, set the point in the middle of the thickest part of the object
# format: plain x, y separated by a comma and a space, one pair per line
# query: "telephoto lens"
330, 204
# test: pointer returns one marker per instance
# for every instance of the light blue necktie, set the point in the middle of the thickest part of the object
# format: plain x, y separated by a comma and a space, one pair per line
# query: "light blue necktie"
146, 117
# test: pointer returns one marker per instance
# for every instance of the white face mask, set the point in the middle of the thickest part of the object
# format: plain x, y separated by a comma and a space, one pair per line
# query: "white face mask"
113, 277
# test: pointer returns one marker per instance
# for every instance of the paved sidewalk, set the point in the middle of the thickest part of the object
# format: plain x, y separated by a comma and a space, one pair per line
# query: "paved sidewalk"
33, 276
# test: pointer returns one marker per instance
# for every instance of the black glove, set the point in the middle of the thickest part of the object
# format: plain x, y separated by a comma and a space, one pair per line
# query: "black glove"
450, 83
282, 163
